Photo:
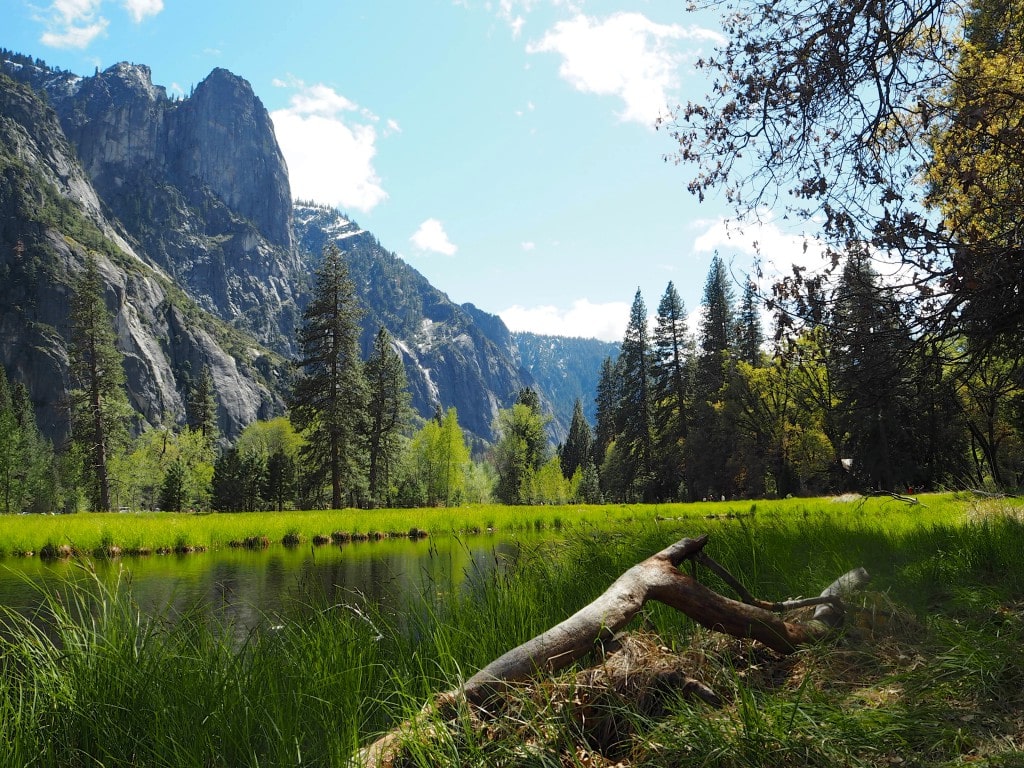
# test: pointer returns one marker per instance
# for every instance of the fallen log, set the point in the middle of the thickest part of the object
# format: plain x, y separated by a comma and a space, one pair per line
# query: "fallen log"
656, 578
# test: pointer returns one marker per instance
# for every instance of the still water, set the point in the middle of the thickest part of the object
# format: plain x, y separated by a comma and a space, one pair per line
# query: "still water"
244, 588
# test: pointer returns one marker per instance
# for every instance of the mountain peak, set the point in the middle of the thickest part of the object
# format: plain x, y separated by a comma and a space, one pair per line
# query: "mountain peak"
137, 79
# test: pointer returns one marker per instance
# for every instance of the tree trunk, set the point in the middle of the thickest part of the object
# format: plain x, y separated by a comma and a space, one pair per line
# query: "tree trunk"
656, 578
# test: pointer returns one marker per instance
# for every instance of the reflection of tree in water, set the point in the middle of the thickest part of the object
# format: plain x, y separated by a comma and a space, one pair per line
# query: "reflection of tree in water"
242, 590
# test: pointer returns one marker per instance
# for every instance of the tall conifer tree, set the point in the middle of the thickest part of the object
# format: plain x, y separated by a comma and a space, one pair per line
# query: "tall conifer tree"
329, 400
749, 333
711, 437
635, 416
99, 405
577, 448
607, 402
387, 414
201, 407
12, 453
671, 361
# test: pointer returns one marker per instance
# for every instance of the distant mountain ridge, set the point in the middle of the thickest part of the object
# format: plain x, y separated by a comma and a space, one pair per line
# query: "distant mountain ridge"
566, 369
186, 205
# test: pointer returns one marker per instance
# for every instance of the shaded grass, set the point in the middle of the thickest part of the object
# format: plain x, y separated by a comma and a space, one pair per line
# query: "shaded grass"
92, 680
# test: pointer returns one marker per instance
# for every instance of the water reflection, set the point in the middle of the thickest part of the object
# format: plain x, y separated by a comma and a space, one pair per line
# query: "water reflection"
244, 589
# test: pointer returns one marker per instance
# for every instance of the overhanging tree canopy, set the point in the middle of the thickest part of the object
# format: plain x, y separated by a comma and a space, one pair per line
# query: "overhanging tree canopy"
896, 122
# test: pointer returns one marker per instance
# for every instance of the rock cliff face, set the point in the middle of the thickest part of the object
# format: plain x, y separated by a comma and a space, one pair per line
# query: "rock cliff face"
200, 183
186, 205
50, 219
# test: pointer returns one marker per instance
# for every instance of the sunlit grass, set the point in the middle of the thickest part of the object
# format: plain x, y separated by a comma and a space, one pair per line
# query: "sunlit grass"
130, 533
93, 680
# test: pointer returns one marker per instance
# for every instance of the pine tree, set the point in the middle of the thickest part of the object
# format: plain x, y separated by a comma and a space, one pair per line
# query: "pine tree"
99, 405
711, 436
607, 401
636, 437
172, 489
749, 333
329, 400
201, 407
280, 481
672, 349
874, 377
717, 323
576, 451
233, 478
388, 413
671, 363
11, 451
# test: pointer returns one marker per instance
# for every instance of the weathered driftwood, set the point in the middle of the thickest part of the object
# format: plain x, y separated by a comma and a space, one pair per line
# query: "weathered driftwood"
656, 578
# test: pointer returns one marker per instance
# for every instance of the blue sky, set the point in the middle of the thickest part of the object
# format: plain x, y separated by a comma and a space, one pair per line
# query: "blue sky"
504, 148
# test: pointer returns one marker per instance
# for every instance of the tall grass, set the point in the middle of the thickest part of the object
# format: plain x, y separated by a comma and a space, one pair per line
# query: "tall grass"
166, 531
92, 680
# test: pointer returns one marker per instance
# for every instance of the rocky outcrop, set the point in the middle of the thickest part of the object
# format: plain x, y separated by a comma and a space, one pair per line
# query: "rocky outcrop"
186, 204
223, 137
200, 183
50, 222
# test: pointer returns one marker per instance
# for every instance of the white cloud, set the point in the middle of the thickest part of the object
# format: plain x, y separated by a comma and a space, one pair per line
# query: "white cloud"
318, 99
140, 9
72, 23
76, 23
431, 237
528, 245
74, 36
625, 55
328, 150
584, 318
778, 250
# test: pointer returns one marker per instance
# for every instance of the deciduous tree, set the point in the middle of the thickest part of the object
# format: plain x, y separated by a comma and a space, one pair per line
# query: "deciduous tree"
893, 123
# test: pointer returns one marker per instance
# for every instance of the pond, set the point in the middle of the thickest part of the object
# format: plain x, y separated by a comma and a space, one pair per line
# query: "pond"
243, 588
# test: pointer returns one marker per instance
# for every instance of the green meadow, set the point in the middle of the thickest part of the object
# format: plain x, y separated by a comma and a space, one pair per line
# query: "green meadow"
929, 673
149, 532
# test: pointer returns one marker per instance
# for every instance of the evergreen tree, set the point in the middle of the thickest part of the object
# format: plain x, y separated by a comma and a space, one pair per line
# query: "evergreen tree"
388, 413
201, 406
607, 401
672, 349
280, 480
671, 361
749, 333
576, 452
875, 377
636, 436
329, 401
588, 489
99, 405
717, 324
172, 490
711, 436
232, 482
12, 452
